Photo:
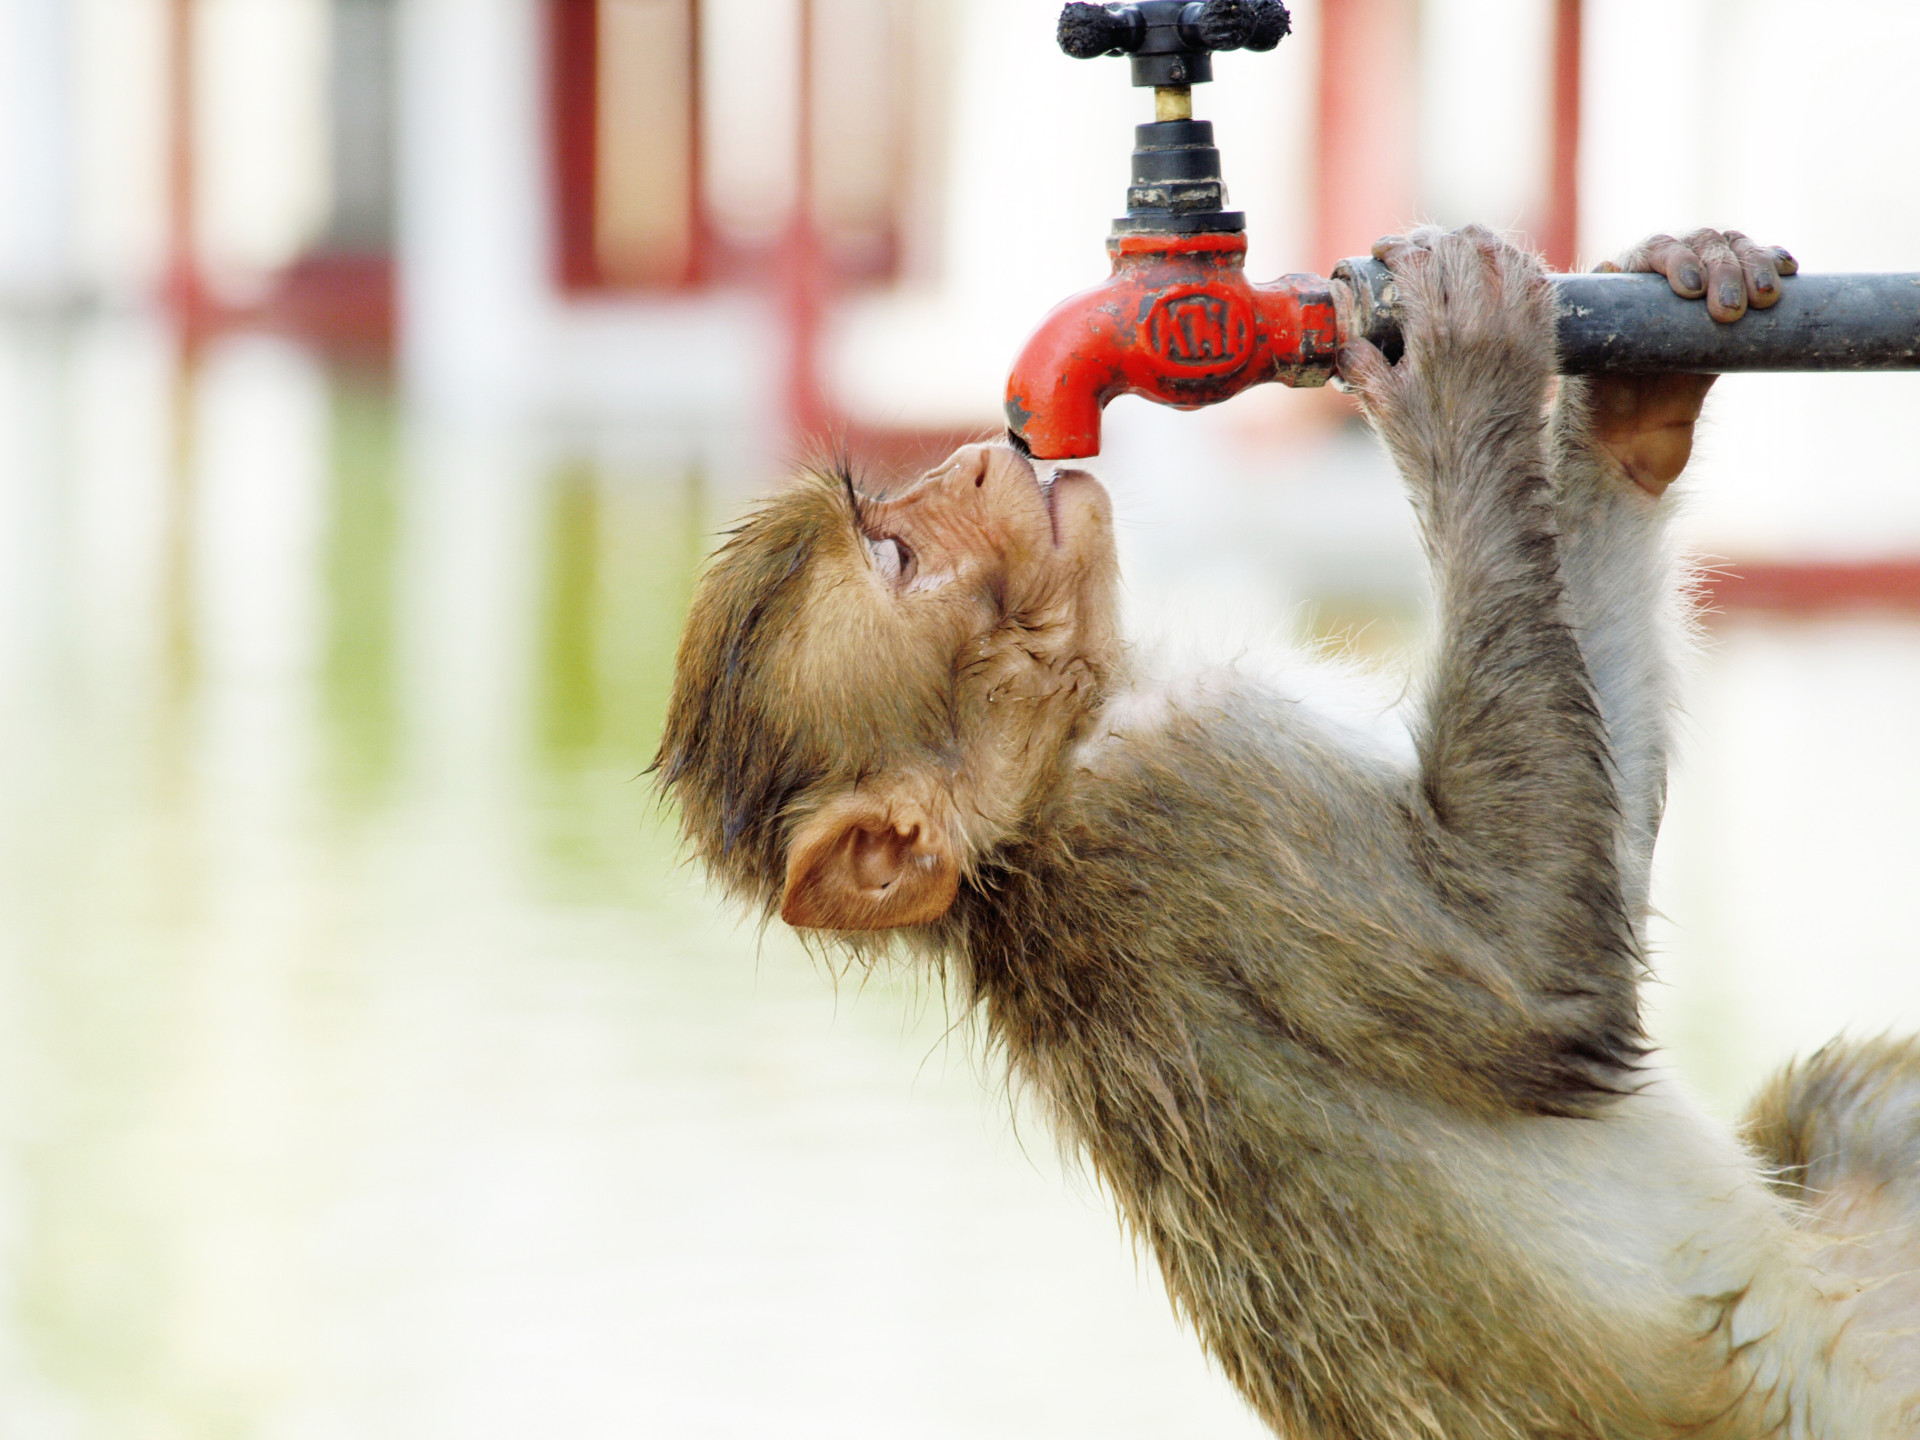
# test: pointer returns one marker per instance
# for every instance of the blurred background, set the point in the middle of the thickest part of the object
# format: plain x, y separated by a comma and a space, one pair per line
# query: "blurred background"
374, 375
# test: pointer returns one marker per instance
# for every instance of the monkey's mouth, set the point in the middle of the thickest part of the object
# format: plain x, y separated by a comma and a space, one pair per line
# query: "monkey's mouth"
1046, 485
1043, 483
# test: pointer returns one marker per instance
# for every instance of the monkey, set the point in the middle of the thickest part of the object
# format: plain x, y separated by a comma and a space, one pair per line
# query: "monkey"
1347, 1024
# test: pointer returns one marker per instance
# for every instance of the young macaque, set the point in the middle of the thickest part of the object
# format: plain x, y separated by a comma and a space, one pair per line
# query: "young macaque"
1349, 1027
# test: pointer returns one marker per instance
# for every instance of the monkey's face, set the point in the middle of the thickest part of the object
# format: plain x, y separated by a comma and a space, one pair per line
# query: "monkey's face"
987, 580
874, 685
959, 643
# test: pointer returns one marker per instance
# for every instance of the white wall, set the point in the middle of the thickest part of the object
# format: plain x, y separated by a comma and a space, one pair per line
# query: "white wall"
37, 181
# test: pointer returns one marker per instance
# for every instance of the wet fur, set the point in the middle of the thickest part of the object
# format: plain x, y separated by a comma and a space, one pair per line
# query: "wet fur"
1355, 1042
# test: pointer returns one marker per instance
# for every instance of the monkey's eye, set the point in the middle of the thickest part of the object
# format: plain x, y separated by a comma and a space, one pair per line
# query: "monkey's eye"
893, 560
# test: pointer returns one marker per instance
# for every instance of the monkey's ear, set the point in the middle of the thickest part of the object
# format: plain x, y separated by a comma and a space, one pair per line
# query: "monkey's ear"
869, 862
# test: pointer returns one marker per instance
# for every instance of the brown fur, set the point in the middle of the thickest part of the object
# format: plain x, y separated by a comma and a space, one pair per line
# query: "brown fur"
1848, 1115
1354, 1043
1841, 1131
732, 754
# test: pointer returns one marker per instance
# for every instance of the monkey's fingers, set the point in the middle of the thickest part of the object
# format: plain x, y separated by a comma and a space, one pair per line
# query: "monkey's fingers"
1726, 279
1363, 369
1761, 265
1664, 255
1414, 261
1477, 261
1394, 251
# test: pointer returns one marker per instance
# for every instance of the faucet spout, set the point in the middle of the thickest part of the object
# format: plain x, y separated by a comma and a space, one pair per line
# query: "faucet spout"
1177, 322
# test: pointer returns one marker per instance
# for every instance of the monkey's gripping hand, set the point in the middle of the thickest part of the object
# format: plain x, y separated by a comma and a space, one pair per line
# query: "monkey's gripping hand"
1644, 423
1617, 442
1516, 810
1479, 360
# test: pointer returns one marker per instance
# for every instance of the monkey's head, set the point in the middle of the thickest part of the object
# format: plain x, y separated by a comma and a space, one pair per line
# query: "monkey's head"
873, 688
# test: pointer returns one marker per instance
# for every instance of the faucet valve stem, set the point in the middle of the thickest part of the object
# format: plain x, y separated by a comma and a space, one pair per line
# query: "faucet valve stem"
1172, 102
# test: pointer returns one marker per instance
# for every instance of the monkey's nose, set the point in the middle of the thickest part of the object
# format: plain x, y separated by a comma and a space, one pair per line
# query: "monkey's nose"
967, 467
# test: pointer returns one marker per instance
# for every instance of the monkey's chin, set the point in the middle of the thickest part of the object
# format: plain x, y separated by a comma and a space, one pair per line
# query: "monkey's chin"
1078, 507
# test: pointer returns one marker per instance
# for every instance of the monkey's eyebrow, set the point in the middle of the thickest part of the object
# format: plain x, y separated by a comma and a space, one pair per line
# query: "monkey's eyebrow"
853, 497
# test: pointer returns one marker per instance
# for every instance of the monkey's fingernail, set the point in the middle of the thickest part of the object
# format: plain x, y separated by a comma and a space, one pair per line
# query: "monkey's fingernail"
1691, 278
1764, 283
1730, 295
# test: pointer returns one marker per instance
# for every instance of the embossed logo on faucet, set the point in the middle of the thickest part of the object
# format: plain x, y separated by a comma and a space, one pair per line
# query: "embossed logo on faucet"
1200, 330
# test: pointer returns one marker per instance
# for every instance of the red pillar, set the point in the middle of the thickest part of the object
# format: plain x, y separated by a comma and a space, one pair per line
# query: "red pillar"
1561, 233
1364, 183
184, 292
573, 78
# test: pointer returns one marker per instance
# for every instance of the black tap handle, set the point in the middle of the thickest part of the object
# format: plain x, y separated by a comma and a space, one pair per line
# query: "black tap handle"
1234, 24
1271, 25
1089, 30
1170, 28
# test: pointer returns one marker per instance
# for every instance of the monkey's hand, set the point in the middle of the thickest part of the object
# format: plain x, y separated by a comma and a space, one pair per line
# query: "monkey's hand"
1478, 328
1514, 801
1644, 423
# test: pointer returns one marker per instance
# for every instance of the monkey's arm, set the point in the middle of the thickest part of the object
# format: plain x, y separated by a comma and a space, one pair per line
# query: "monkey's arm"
1619, 579
1513, 814
1617, 442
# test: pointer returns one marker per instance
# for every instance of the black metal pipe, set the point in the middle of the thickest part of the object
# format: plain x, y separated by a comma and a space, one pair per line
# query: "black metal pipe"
1628, 323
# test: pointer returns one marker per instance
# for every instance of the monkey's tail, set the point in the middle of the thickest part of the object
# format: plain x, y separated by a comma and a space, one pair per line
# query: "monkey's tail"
1841, 1134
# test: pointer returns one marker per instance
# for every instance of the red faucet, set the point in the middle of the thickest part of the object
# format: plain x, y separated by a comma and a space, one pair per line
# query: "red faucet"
1178, 322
